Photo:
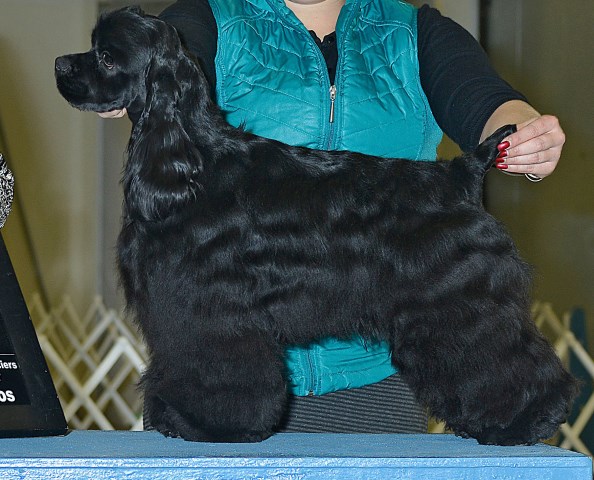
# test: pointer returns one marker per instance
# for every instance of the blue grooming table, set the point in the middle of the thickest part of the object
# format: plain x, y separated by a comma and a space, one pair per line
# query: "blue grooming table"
101, 455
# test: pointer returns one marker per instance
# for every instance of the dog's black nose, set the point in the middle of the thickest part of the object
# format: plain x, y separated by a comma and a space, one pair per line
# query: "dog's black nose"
63, 65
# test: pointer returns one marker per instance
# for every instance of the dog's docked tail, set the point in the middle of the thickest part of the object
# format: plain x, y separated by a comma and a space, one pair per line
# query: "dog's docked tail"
470, 169
486, 153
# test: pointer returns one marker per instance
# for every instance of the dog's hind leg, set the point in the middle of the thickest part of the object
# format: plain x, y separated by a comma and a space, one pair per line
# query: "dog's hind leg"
479, 363
230, 388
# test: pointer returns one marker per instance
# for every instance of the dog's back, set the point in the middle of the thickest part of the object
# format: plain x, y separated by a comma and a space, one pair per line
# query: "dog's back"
294, 175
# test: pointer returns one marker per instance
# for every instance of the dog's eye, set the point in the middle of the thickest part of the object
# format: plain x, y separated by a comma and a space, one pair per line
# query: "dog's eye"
107, 60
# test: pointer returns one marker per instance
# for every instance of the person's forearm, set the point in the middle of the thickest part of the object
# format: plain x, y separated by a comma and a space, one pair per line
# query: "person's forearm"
512, 112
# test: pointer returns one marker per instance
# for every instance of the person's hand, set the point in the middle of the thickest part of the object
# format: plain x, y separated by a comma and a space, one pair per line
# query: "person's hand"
113, 113
534, 150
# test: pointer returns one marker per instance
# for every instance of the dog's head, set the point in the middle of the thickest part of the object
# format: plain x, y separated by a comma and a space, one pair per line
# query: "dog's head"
111, 74
137, 62
128, 50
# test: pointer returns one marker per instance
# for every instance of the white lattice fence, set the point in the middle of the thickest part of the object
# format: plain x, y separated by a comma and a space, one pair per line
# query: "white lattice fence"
96, 360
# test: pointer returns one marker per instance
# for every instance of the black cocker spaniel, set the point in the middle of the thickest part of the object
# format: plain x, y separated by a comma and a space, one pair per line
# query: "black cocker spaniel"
234, 246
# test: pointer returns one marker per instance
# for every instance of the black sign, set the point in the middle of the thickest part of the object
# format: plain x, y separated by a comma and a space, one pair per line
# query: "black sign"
12, 383
29, 405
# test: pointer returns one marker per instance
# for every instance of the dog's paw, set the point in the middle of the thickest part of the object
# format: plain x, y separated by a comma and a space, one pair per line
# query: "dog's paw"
165, 419
520, 432
497, 436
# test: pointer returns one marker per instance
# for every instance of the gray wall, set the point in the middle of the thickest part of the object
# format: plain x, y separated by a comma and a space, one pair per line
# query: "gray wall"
545, 49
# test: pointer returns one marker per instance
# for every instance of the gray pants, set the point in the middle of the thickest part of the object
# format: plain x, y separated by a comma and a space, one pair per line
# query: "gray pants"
385, 407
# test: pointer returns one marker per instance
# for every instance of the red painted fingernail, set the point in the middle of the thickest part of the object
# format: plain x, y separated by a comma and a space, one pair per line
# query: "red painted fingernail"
503, 154
499, 160
503, 146
501, 166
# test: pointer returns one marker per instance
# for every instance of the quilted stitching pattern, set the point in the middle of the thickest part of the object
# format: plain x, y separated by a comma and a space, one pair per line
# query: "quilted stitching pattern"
266, 80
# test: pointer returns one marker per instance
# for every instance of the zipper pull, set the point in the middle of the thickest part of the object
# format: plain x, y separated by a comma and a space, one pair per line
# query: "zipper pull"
332, 99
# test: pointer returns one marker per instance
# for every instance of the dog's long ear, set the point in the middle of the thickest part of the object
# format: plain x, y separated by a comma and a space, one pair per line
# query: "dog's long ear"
164, 165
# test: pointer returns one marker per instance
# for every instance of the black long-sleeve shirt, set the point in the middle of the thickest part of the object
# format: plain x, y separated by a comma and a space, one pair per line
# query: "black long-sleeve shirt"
461, 86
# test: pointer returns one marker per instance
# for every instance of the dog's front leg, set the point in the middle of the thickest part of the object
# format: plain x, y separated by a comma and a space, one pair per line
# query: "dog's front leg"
229, 389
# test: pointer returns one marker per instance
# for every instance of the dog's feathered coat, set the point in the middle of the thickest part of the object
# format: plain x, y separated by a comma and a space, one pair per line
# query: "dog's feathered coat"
234, 246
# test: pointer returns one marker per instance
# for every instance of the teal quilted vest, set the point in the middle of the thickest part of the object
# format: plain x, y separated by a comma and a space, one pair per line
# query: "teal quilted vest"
272, 78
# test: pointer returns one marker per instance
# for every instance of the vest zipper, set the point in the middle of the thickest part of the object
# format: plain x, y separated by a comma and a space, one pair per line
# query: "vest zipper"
330, 139
332, 99
311, 382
